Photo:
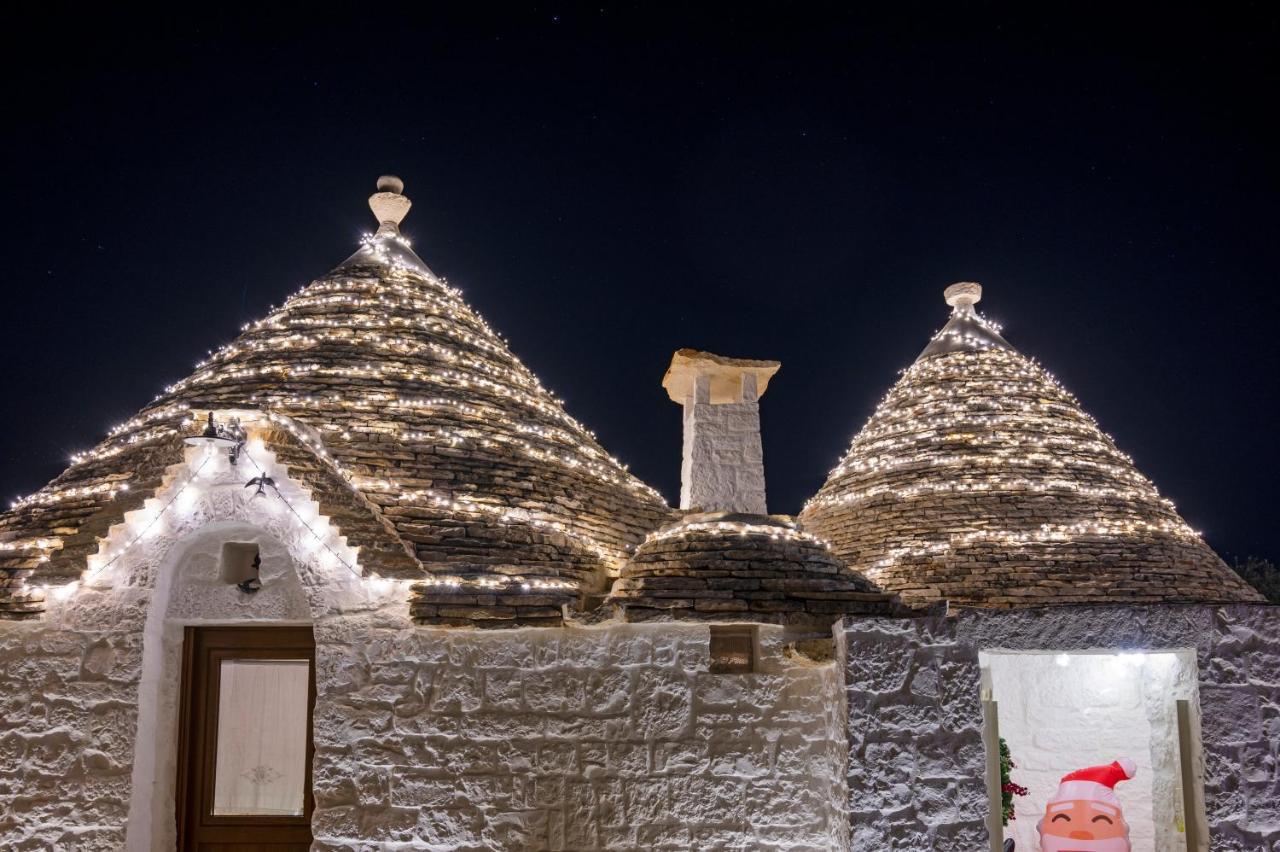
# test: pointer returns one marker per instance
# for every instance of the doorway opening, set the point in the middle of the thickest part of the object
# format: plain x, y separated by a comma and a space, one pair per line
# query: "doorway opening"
245, 740
1057, 713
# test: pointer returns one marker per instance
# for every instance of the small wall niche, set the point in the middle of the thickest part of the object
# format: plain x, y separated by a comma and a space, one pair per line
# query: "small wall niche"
1059, 712
237, 561
733, 648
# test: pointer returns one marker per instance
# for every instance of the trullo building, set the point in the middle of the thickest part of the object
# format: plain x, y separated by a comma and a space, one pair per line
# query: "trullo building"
361, 583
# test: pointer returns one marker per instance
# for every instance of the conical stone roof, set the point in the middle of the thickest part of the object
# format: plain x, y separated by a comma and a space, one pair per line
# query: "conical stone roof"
980, 479
723, 566
397, 390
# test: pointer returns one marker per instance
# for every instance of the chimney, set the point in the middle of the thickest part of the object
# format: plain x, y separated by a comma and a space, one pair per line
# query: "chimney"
723, 467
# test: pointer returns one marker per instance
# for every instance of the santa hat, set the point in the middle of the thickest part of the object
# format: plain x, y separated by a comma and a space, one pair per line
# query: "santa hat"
1096, 783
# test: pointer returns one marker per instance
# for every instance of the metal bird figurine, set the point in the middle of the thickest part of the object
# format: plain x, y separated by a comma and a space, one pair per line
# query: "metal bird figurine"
262, 482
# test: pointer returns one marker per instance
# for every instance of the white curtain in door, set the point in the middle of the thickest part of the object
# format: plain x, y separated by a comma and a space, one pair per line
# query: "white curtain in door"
262, 737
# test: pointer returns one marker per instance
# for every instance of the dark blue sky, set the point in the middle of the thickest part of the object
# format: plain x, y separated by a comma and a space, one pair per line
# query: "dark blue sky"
608, 184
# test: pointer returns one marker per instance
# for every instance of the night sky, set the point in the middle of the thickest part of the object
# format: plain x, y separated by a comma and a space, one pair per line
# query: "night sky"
608, 184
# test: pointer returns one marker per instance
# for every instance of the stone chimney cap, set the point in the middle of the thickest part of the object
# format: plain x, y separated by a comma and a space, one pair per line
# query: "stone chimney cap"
963, 294
389, 204
726, 375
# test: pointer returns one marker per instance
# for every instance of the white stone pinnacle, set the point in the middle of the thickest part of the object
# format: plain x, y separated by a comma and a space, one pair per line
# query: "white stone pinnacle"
963, 294
389, 204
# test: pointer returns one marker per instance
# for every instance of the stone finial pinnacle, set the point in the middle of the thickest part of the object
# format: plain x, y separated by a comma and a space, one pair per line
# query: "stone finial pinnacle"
389, 204
963, 294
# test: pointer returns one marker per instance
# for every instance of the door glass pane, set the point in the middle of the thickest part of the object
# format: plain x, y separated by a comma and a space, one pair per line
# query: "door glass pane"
262, 737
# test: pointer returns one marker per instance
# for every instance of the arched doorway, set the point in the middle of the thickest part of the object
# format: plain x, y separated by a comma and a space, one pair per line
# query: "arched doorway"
222, 674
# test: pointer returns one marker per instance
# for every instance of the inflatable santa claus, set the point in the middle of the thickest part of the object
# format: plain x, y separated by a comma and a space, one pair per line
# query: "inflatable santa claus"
1084, 815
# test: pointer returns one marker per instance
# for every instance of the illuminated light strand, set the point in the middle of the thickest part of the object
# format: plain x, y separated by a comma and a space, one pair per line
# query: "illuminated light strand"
522, 380
1002, 443
497, 583
164, 413
118, 444
991, 484
359, 484
378, 371
47, 498
492, 417
740, 528
459, 308
31, 544
506, 514
1045, 534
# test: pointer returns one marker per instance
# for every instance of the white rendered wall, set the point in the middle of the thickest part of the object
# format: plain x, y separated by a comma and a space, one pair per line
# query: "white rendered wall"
425, 738
88, 692
1094, 709
610, 737
723, 461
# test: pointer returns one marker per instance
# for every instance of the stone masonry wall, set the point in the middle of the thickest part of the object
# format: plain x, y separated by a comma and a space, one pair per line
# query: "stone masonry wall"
80, 681
915, 736
916, 759
68, 703
723, 462
580, 739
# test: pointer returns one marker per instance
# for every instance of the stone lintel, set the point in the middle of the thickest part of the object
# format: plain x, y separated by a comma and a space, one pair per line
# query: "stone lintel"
726, 379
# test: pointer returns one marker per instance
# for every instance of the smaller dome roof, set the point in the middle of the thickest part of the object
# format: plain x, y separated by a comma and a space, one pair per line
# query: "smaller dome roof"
721, 566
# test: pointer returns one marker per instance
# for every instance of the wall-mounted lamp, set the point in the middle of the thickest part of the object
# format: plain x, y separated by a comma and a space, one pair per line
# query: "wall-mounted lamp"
231, 437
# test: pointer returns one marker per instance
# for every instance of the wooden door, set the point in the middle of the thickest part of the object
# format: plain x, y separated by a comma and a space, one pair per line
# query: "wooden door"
244, 754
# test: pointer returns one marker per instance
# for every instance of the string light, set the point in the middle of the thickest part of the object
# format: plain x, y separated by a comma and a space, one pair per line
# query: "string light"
784, 532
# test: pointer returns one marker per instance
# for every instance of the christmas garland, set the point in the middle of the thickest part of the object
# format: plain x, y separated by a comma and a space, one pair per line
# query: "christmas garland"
1008, 789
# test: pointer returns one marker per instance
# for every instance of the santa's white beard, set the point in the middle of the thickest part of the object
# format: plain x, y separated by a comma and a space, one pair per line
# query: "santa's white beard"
1066, 844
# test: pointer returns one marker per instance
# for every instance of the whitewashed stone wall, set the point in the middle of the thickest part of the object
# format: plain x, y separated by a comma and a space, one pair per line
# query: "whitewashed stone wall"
723, 460
88, 693
615, 736
1064, 713
916, 767
612, 737
68, 697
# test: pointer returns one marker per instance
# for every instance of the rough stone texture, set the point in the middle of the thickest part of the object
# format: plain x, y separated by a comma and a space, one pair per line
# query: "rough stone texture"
723, 462
407, 394
916, 759
980, 480
613, 737
616, 737
725, 567
79, 683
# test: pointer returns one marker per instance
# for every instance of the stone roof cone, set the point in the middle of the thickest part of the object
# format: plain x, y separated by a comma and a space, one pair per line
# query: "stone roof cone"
981, 480
409, 409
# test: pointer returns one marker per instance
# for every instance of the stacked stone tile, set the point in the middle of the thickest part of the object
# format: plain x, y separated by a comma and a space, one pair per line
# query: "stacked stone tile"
720, 566
979, 479
397, 398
